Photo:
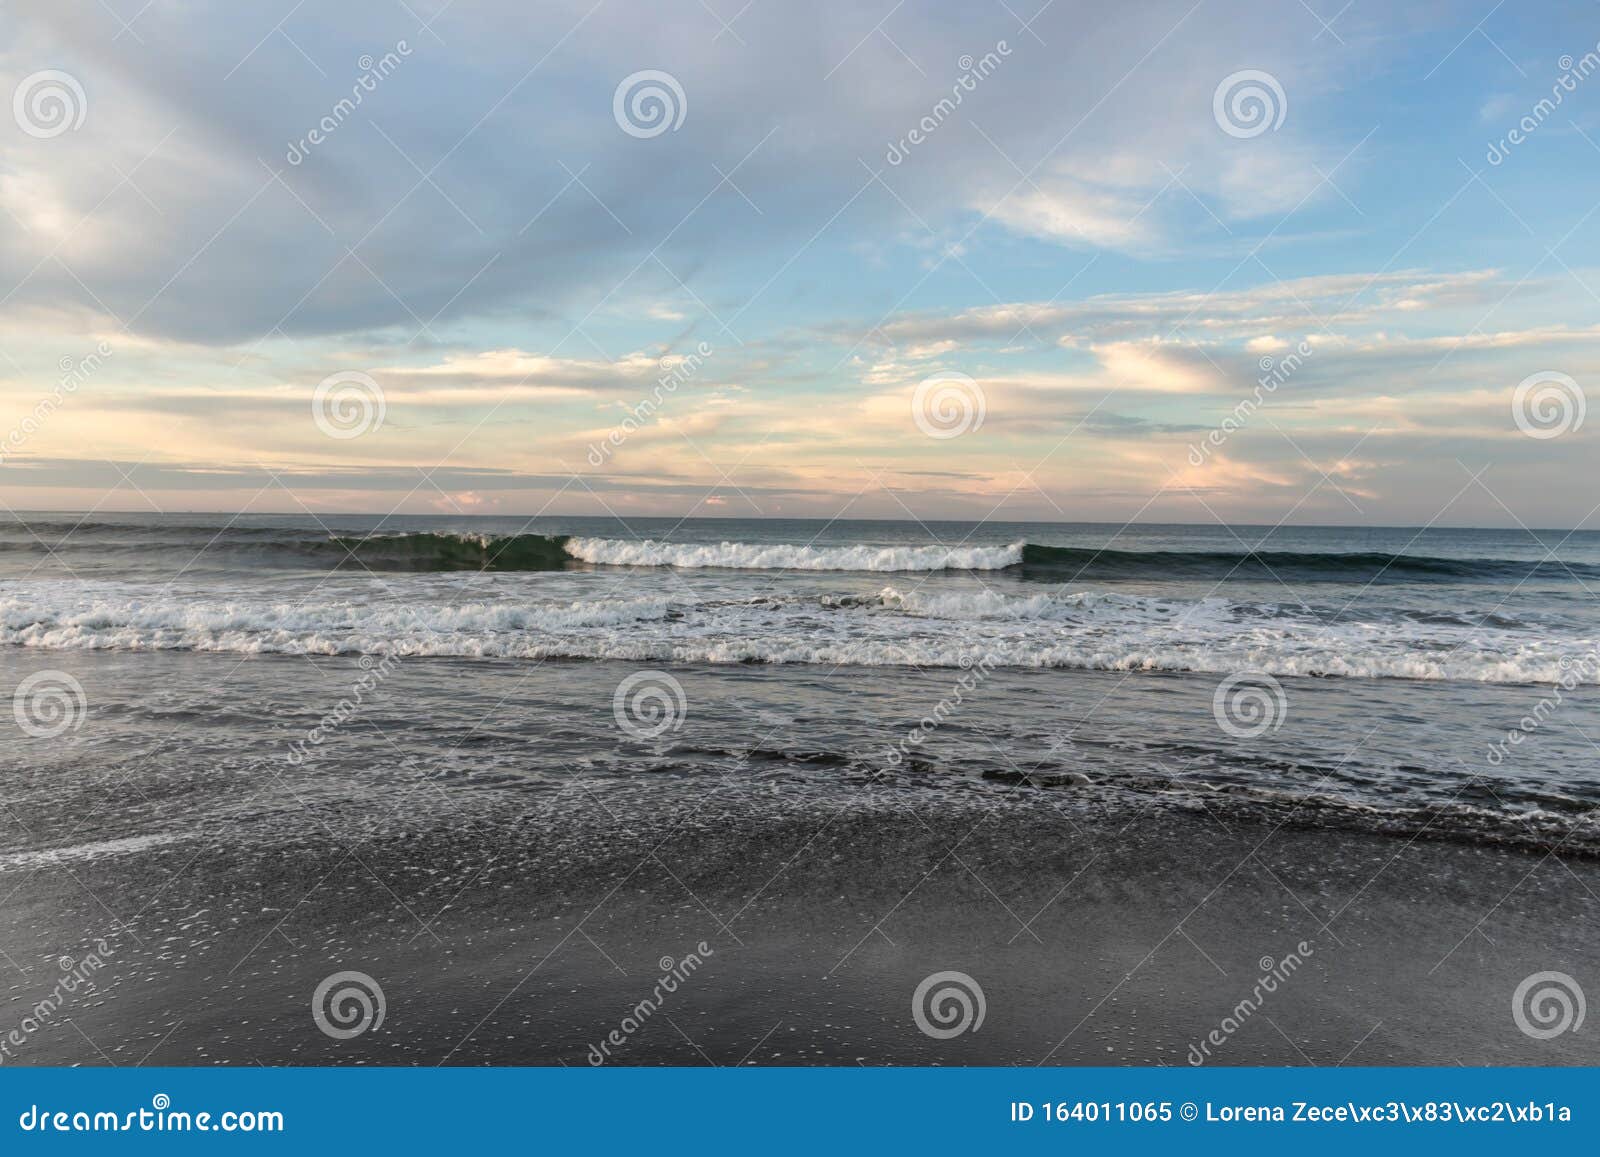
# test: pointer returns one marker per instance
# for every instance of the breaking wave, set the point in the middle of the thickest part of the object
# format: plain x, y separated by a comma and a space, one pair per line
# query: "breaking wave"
433, 551
895, 628
781, 556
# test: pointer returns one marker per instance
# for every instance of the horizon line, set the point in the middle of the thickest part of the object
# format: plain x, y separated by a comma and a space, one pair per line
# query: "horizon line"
680, 519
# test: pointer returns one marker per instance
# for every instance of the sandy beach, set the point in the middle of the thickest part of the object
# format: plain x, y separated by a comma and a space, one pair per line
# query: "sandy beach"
1098, 935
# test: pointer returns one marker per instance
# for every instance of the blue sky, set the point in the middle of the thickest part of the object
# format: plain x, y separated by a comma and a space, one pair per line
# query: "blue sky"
228, 284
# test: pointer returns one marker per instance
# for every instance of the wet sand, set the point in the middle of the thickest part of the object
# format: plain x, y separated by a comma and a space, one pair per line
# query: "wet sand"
1097, 934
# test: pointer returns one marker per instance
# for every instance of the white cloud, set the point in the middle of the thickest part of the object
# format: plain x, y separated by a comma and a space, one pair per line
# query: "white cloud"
1060, 208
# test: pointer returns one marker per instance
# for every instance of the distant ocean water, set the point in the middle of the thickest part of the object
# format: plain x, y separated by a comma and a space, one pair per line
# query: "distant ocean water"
1384, 669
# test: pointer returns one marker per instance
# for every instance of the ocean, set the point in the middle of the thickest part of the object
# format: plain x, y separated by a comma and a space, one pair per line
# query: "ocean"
508, 713
1399, 660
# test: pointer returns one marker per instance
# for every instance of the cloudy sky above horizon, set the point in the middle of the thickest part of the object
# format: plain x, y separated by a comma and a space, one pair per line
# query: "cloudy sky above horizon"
923, 259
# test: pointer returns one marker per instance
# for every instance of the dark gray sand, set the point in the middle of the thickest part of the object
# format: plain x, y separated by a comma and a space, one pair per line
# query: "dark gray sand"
1099, 934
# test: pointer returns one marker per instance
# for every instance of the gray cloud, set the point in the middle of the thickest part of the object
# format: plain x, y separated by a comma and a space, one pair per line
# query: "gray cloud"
534, 202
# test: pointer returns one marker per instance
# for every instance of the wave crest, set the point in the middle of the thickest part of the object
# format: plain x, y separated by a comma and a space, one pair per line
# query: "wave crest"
783, 556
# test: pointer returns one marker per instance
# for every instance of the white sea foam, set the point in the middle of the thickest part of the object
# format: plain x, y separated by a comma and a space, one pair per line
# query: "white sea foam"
897, 628
44, 857
981, 605
178, 622
781, 556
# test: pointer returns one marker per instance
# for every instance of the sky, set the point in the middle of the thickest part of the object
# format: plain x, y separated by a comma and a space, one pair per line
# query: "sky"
1300, 262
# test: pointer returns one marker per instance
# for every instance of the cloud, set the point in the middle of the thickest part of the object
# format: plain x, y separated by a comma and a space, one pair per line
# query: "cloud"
484, 176
1161, 367
1076, 213
1079, 235
1264, 309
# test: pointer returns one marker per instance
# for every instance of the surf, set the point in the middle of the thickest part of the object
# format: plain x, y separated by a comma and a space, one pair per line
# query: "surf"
103, 545
908, 628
